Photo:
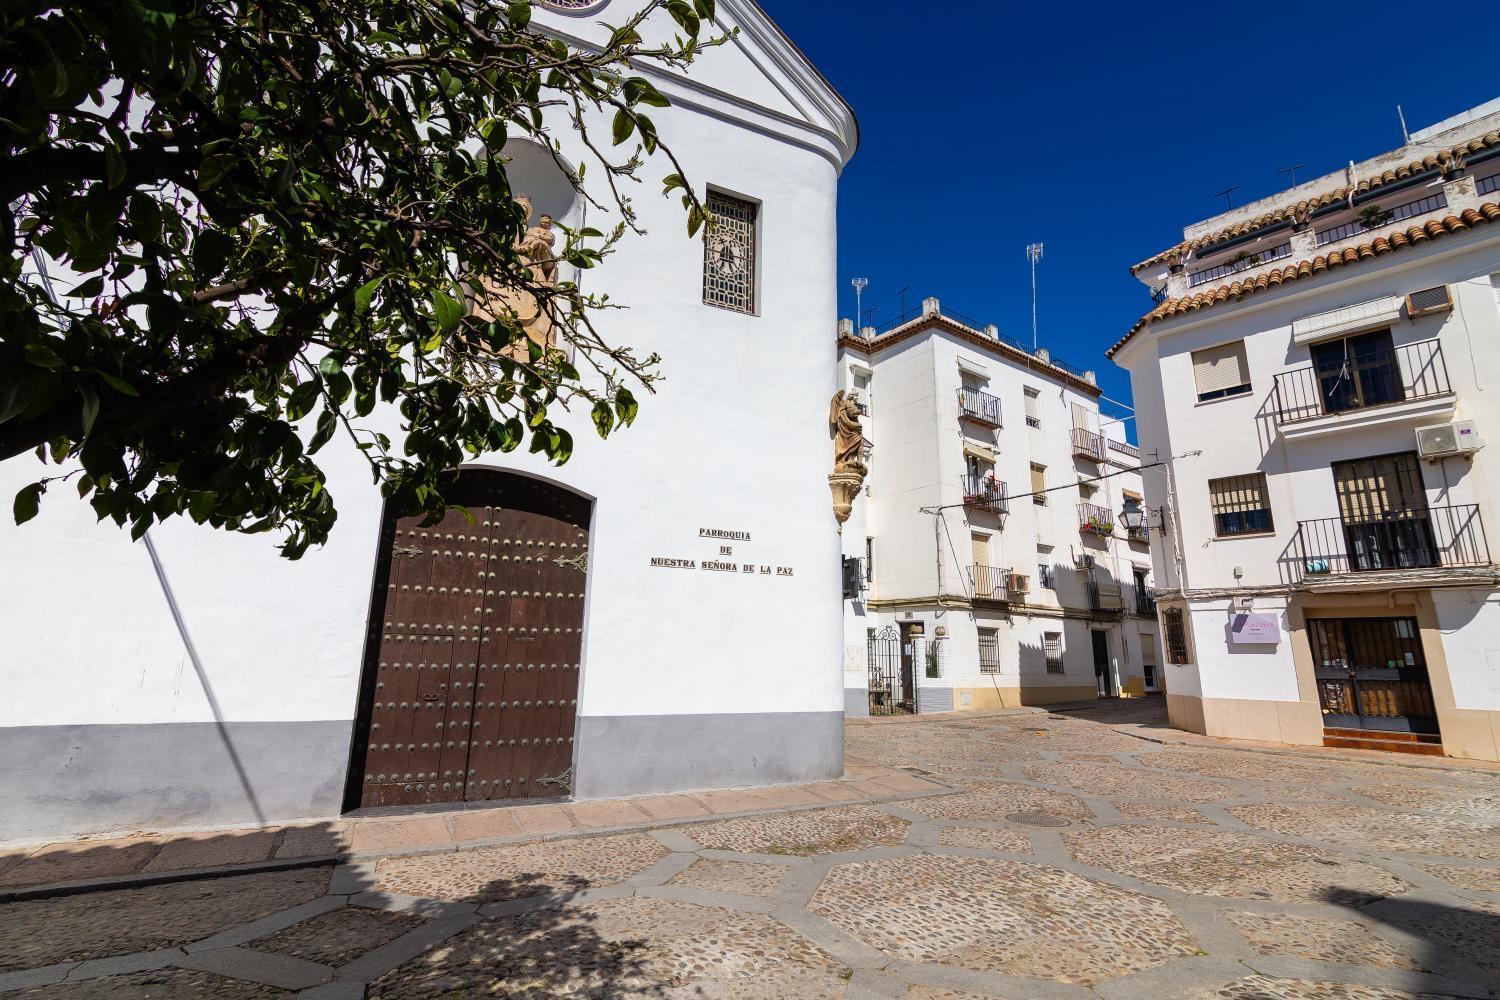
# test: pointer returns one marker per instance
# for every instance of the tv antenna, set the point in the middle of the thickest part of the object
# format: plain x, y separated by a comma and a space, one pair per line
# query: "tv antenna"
1034, 254
902, 295
1225, 195
1293, 171
1405, 136
859, 289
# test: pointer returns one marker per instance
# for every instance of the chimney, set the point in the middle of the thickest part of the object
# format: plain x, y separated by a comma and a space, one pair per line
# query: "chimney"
931, 307
846, 328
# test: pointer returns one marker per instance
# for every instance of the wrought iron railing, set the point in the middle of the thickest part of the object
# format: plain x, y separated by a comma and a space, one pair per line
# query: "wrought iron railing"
1487, 184
991, 583
979, 407
1439, 537
1145, 602
1376, 378
1125, 448
1141, 534
1398, 214
1250, 258
1087, 444
1096, 520
986, 493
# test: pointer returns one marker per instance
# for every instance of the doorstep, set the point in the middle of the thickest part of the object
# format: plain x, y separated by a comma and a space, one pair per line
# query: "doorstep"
1430, 745
87, 865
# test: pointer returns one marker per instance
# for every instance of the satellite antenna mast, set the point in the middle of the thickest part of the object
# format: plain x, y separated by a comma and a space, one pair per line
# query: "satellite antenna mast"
1034, 254
859, 290
1293, 171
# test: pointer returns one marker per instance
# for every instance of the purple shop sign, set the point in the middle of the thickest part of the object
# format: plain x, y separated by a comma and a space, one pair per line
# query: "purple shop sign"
1251, 628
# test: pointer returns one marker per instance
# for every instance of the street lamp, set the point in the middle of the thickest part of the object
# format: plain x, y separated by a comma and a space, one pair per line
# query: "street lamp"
1133, 515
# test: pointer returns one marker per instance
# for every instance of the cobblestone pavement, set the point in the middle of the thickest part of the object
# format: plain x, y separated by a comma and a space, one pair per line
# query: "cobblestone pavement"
1059, 857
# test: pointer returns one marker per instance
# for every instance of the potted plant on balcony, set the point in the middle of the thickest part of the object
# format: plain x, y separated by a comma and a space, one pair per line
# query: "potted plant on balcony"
1099, 525
1243, 259
1373, 217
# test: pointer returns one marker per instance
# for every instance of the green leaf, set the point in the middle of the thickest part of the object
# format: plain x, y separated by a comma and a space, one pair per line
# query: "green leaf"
114, 168
330, 365
301, 401
27, 501
89, 289
119, 385
366, 292
201, 504
447, 311
90, 408
626, 406
624, 126
604, 418
43, 356
327, 424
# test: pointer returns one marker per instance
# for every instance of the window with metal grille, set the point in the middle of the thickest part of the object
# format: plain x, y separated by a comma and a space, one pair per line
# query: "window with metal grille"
1052, 649
1033, 408
1240, 505
1176, 637
989, 651
1045, 574
729, 253
1038, 484
1221, 371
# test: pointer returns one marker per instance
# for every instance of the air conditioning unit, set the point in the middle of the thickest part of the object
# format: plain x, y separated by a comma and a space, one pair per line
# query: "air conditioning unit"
1083, 560
1458, 438
1020, 583
1428, 301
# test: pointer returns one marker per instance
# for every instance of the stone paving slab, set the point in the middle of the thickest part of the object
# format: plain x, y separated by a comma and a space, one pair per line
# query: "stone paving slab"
1034, 859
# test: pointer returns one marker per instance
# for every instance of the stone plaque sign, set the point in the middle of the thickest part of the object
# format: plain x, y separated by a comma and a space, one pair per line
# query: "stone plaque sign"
1255, 629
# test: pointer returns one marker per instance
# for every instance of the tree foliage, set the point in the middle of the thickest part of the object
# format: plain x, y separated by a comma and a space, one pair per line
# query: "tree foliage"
235, 229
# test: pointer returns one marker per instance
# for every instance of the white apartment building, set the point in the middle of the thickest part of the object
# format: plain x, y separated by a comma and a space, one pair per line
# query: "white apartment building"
961, 590
196, 678
1319, 365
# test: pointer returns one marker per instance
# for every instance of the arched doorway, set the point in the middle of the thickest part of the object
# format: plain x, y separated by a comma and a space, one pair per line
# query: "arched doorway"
470, 688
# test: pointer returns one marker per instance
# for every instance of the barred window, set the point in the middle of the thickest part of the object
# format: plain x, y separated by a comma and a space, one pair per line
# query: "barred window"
1052, 648
989, 651
1240, 505
1033, 408
1176, 637
729, 253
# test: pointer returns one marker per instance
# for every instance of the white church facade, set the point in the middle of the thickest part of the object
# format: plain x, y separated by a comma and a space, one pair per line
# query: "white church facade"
654, 615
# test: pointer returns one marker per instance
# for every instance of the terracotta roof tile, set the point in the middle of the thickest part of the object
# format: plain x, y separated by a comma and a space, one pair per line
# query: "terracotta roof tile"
1301, 210
1409, 237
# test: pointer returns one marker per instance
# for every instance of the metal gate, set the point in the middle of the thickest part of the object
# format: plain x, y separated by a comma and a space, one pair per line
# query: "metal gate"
472, 690
1371, 674
893, 682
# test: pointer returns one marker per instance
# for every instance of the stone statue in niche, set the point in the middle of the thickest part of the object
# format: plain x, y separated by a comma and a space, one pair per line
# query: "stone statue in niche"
492, 300
848, 447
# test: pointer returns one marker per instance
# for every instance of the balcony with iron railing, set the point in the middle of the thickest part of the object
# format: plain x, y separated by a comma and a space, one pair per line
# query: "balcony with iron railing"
1087, 444
979, 407
1362, 381
1145, 602
1096, 520
1141, 535
1125, 448
991, 583
985, 492
1430, 539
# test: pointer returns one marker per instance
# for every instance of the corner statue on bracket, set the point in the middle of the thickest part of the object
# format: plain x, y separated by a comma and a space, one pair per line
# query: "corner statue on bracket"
848, 443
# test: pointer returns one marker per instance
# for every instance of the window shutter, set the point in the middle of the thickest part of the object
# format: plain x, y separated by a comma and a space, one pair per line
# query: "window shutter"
1220, 368
1031, 404
1038, 478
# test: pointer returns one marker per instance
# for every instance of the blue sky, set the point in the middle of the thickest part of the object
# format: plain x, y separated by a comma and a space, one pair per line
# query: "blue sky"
1100, 131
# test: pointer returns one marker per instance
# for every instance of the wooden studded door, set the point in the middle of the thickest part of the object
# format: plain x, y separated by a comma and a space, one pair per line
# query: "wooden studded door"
472, 691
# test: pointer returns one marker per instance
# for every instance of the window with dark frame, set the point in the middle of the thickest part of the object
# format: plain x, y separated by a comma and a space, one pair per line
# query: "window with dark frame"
730, 253
1176, 636
1045, 574
869, 559
1240, 505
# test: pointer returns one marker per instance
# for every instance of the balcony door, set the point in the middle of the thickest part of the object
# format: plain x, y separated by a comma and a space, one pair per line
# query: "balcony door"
1371, 674
1383, 507
1357, 371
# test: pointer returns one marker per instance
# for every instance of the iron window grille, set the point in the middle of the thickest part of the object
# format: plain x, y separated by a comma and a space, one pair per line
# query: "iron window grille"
1176, 636
1052, 649
729, 253
989, 651
1240, 505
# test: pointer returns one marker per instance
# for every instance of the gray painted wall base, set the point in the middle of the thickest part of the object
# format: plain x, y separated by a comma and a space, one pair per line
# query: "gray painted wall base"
63, 781
640, 754
856, 703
